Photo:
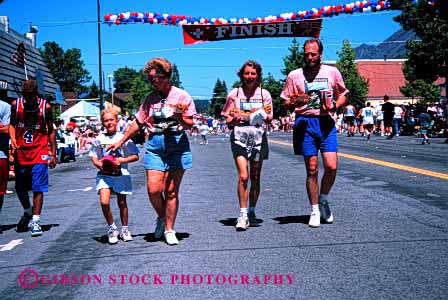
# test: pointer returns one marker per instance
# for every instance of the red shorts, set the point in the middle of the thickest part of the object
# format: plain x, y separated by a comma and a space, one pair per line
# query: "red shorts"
4, 175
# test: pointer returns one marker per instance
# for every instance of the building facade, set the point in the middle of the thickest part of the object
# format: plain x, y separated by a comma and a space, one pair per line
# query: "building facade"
19, 59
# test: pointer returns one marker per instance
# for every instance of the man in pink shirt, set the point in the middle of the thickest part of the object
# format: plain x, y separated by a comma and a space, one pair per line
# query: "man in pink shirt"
315, 91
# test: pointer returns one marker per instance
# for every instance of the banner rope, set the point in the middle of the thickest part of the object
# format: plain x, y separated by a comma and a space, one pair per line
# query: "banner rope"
313, 13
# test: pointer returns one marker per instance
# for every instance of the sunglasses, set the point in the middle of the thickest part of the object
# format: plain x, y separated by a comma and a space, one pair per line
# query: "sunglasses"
156, 77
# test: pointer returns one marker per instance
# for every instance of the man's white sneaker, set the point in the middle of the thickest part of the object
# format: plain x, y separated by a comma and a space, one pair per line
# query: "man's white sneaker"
112, 235
160, 228
126, 235
314, 219
242, 223
170, 237
325, 211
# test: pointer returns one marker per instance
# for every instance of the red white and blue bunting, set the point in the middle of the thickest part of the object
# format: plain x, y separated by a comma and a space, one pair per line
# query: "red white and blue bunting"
314, 13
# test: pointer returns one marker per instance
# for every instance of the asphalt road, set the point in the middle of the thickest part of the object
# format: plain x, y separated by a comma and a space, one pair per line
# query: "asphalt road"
388, 241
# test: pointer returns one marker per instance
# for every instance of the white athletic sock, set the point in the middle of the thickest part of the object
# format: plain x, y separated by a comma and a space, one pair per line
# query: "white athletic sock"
124, 228
36, 218
315, 207
243, 212
113, 226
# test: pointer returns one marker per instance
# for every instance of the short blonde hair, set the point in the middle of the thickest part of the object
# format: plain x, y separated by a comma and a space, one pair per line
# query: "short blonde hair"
111, 111
160, 64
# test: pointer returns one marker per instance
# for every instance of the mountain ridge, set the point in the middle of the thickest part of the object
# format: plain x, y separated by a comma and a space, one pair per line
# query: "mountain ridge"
391, 48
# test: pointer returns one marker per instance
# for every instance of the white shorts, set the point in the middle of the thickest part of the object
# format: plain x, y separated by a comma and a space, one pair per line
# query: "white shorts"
118, 184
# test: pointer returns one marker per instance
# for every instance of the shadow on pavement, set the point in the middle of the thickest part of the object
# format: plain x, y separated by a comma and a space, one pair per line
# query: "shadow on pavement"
102, 239
8, 227
47, 227
304, 219
149, 237
232, 222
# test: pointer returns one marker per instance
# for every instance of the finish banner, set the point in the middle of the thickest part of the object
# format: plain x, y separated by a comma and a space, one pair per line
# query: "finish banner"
194, 34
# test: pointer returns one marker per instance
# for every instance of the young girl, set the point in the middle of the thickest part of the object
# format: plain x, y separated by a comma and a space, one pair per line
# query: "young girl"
113, 175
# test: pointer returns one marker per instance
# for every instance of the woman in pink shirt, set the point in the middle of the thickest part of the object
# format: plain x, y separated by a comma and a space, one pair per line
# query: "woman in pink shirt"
247, 109
164, 115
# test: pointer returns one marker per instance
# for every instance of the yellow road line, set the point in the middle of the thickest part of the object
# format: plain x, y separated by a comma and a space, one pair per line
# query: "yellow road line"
381, 163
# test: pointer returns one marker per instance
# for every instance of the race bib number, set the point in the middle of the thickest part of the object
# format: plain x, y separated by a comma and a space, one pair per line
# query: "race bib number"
251, 106
28, 137
314, 90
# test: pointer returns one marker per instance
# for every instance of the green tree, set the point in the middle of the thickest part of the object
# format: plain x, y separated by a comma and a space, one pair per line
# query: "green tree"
427, 92
123, 78
294, 60
275, 88
175, 77
427, 57
66, 67
355, 83
140, 88
93, 90
218, 99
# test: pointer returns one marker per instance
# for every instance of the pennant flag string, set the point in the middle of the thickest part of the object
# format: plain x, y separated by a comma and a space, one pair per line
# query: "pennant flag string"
314, 13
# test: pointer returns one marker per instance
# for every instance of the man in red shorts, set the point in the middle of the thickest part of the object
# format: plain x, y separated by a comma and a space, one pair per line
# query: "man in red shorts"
31, 132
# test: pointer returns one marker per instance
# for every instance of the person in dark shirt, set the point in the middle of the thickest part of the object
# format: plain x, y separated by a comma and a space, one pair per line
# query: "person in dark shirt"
425, 124
388, 114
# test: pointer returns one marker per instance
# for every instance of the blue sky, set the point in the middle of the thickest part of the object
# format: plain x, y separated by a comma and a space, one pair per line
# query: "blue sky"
72, 25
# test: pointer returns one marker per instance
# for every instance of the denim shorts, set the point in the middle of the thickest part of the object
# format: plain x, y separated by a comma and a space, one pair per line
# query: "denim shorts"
32, 177
312, 134
168, 151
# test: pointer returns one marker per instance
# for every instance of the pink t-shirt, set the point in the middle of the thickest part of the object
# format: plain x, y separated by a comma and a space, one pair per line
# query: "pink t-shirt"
153, 105
328, 78
237, 100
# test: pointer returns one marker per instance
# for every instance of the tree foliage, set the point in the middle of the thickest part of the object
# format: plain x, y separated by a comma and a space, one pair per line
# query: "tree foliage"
355, 83
123, 78
140, 88
427, 92
275, 88
218, 99
427, 57
175, 77
93, 90
66, 67
294, 60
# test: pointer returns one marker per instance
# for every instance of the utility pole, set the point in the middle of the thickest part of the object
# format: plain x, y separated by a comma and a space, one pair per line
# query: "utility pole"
100, 67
